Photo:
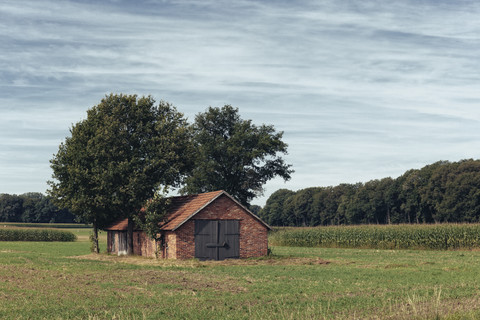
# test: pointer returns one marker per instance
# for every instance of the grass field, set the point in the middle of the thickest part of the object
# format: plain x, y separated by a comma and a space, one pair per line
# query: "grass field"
63, 281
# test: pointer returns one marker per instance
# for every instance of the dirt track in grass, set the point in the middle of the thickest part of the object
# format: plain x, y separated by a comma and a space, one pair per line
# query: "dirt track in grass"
136, 260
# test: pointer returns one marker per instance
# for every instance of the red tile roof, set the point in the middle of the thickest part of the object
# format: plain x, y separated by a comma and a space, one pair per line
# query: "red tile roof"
119, 225
183, 208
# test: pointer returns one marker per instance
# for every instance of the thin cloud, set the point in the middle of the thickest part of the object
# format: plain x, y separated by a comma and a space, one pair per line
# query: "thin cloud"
362, 90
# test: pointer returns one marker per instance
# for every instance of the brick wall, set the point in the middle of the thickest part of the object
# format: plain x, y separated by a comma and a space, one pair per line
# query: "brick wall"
143, 245
186, 240
253, 234
171, 245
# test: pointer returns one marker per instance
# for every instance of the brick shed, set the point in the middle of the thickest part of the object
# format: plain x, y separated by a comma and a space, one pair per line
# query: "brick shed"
210, 225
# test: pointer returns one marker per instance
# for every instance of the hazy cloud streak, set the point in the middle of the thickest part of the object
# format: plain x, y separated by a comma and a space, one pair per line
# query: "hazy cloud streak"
362, 89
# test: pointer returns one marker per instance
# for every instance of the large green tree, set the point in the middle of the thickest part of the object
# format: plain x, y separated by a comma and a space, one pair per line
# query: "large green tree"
235, 155
124, 152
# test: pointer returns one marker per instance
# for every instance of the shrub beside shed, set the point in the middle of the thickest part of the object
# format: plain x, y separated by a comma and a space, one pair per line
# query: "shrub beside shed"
210, 225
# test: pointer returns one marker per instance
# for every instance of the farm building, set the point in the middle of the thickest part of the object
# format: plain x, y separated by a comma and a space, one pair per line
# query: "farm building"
210, 225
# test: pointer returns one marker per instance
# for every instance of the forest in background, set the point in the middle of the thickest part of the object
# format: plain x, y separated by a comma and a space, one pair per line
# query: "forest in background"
32, 207
437, 193
441, 192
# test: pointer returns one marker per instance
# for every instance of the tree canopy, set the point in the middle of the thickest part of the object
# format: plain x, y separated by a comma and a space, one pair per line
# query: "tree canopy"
235, 155
125, 151
32, 207
441, 192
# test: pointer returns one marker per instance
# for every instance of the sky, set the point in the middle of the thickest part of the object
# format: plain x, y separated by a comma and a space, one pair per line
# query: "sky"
361, 89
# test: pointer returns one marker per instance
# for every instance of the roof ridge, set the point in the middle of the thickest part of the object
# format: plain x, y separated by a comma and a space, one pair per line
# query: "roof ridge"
195, 194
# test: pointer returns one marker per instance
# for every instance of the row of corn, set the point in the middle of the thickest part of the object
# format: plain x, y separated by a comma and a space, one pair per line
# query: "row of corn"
13, 234
434, 237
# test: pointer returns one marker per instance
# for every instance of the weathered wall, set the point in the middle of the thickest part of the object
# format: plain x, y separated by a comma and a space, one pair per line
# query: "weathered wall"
111, 245
170, 251
143, 245
253, 234
113, 239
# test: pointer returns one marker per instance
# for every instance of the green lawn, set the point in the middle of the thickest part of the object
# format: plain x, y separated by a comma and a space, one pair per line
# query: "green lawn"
62, 281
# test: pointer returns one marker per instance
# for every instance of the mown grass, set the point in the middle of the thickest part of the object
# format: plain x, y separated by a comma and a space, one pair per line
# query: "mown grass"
434, 237
40, 280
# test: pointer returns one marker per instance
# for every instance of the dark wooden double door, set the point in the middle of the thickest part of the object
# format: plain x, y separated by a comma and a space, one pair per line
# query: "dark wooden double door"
217, 239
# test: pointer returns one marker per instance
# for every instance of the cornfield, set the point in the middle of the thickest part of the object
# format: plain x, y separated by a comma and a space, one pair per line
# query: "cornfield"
433, 237
14, 234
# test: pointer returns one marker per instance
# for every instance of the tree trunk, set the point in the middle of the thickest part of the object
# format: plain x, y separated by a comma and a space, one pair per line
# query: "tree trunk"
95, 247
130, 237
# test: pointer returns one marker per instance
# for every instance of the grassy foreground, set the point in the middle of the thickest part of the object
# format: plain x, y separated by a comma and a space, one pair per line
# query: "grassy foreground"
57, 280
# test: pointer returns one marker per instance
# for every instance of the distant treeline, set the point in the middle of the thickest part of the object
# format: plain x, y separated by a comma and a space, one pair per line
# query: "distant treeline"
440, 192
31, 207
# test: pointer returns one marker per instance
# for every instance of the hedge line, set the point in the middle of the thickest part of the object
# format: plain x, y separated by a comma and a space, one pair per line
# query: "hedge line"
46, 225
8, 234
434, 237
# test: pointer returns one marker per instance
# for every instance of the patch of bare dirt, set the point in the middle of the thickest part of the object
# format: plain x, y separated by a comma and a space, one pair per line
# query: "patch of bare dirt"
11, 251
137, 260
